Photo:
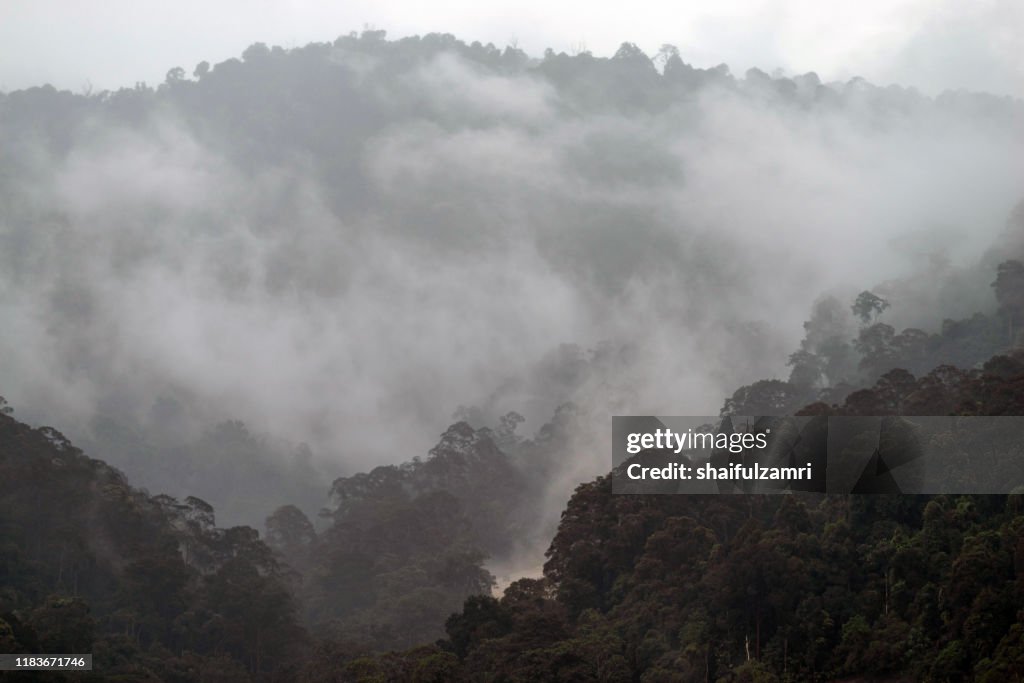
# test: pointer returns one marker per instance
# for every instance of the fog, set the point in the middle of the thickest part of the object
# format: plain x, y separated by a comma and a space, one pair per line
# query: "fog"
348, 267
933, 45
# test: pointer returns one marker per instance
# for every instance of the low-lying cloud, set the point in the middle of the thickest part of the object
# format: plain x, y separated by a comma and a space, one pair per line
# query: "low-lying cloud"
500, 216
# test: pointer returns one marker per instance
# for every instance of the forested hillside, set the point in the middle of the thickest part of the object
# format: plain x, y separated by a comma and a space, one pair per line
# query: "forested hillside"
298, 264
149, 585
371, 304
801, 587
685, 588
787, 588
744, 588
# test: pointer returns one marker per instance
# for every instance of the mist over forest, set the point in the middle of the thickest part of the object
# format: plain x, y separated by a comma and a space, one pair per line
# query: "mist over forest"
323, 343
342, 245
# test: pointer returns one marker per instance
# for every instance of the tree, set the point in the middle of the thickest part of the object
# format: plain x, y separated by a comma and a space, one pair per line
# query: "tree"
826, 337
766, 397
256, 52
481, 617
505, 435
868, 306
630, 52
290, 532
675, 70
807, 369
876, 345
893, 388
175, 75
1009, 286
666, 53
64, 625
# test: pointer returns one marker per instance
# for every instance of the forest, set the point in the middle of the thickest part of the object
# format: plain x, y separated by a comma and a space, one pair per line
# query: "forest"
333, 335
635, 587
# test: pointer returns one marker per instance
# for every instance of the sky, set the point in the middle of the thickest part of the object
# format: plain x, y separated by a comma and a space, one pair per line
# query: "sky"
932, 45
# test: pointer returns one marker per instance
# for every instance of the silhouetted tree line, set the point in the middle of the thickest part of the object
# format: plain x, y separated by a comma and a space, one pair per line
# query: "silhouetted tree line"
833, 367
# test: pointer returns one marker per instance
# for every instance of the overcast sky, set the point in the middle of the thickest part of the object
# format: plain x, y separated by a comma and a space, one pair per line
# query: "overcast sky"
930, 44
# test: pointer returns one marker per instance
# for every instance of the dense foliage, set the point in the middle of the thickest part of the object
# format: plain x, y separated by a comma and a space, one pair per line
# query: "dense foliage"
776, 588
156, 591
785, 588
149, 585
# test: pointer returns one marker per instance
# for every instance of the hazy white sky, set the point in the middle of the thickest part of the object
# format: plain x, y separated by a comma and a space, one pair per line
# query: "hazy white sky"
930, 44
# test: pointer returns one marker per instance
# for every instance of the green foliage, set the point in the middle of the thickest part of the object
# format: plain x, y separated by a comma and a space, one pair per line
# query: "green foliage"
759, 589
150, 586
776, 588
